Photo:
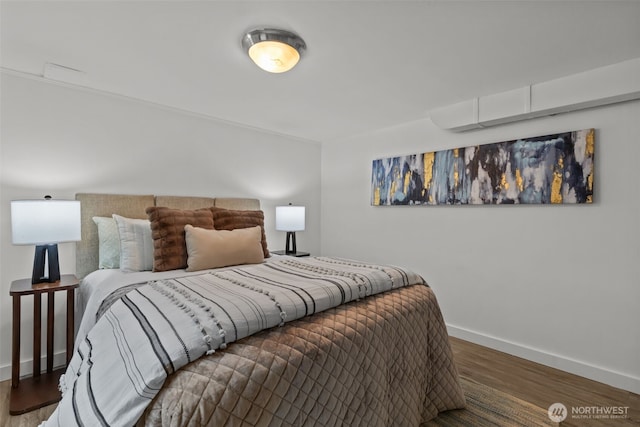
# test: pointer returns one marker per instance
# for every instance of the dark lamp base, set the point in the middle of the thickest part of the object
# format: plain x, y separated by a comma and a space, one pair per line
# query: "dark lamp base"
296, 254
49, 252
291, 243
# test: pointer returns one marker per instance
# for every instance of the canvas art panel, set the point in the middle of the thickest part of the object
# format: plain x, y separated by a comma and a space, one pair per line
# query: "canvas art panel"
550, 169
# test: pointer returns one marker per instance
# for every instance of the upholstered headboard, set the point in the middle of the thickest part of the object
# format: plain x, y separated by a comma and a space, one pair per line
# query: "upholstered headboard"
134, 206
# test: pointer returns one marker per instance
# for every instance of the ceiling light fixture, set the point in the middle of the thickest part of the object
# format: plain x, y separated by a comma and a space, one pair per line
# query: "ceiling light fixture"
273, 50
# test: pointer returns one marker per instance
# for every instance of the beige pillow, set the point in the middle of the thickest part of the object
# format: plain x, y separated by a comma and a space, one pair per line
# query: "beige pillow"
221, 248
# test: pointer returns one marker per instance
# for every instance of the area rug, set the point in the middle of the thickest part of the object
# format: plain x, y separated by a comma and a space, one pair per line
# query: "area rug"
489, 407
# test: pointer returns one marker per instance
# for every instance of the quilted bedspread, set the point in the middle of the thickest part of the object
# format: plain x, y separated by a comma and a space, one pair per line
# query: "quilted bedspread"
364, 367
381, 361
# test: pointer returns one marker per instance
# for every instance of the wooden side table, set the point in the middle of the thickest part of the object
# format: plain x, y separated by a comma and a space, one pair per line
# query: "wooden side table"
40, 389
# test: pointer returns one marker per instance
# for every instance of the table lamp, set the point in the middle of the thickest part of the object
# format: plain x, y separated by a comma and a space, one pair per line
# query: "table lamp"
45, 223
290, 219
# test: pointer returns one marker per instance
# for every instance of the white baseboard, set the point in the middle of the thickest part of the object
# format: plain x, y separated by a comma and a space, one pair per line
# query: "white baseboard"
26, 366
612, 378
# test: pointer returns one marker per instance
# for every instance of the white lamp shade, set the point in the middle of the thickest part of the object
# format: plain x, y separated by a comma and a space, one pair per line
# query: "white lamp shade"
290, 218
40, 222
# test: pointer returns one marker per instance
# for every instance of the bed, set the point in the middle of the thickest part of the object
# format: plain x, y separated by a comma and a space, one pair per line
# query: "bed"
378, 355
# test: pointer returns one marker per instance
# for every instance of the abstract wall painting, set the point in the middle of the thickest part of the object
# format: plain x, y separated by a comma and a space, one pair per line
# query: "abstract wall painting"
551, 169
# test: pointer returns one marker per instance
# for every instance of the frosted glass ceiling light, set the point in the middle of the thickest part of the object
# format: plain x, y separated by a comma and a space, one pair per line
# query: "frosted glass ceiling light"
275, 51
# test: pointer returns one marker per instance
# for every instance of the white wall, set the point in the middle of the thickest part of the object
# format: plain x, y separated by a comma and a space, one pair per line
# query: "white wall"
58, 140
555, 284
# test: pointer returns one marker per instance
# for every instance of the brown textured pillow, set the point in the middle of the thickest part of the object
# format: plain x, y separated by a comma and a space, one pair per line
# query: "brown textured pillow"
229, 219
167, 231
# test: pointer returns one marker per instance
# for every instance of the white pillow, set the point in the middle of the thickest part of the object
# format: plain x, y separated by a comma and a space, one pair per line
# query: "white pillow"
108, 242
220, 248
136, 244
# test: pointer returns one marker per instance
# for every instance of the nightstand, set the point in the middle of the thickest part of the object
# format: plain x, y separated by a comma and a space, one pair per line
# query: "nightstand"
40, 389
297, 254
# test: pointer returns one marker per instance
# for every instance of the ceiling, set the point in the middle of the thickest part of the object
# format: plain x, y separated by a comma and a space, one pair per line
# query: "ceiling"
369, 64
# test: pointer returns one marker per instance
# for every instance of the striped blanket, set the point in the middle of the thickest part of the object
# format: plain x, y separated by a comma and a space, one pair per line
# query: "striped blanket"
157, 328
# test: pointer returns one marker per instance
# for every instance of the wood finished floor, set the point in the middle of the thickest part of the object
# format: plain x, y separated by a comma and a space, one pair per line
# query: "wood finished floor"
528, 381
541, 385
